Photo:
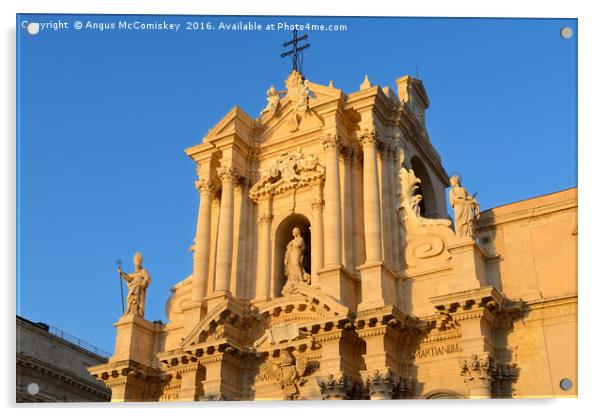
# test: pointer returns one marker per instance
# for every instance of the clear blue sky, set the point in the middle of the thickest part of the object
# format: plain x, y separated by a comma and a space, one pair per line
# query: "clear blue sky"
104, 117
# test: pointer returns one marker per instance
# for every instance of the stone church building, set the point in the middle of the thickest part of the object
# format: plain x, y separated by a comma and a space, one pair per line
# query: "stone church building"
325, 267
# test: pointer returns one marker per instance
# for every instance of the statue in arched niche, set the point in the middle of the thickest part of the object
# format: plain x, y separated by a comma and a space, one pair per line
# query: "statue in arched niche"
466, 208
293, 262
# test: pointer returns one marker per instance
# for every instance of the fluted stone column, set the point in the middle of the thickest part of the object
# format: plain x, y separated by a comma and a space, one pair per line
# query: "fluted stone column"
332, 199
200, 268
395, 227
264, 251
387, 229
223, 270
347, 208
317, 239
372, 217
359, 252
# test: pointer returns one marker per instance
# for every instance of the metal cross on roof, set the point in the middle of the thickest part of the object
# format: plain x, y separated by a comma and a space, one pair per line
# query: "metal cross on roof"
296, 51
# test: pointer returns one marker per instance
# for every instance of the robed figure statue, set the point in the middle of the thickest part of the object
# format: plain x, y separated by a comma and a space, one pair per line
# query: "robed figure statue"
466, 208
293, 260
137, 283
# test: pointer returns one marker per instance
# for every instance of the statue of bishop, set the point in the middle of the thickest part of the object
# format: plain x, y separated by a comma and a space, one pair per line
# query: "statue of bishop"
137, 283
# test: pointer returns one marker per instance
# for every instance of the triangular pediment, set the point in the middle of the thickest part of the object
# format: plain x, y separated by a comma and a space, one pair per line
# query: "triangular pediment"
236, 121
281, 123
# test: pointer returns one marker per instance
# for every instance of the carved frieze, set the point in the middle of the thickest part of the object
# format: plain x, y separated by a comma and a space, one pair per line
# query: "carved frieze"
290, 170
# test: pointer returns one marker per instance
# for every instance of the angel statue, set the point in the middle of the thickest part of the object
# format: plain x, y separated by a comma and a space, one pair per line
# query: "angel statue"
293, 261
466, 208
137, 283
273, 101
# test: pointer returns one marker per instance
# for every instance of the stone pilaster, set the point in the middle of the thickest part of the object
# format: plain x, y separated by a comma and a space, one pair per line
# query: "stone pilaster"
191, 375
386, 204
265, 250
317, 237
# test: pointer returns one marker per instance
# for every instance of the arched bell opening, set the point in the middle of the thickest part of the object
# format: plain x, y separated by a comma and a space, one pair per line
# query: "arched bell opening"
428, 204
284, 234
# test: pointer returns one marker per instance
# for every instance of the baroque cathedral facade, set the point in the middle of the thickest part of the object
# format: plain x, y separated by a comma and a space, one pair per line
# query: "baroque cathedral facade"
325, 267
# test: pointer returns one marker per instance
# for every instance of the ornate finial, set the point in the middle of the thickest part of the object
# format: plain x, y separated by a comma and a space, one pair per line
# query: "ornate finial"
330, 84
295, 53
366, 84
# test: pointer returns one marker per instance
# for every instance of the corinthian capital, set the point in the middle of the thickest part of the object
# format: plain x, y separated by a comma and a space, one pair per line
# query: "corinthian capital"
368, 137
265, 218
383, 384
206, 186
317, 203
478, 370
330, 141
228, 173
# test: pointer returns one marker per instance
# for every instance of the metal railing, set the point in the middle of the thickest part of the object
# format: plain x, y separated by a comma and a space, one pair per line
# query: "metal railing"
77, 341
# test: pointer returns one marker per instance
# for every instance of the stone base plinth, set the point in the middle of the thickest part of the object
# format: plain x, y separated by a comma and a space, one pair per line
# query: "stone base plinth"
379, 286
135, 340
338, 283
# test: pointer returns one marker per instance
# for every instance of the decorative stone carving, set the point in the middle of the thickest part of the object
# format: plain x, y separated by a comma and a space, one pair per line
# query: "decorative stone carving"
265, 218
478, 373
206, 186
293, 262
287, 371
336, 388
505, 376
317, 203
300, 92
273, 101
228, 173
368, 137
289, 171
409, 200
383, 386
280, 333
137, 283
466, 208
330, 141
